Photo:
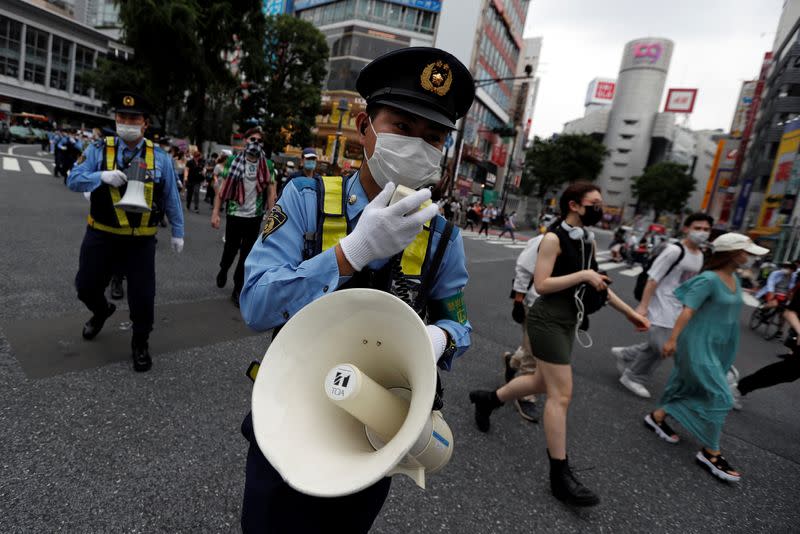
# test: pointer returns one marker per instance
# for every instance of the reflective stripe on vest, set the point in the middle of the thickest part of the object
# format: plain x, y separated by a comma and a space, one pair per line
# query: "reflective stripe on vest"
334, 227
144, 228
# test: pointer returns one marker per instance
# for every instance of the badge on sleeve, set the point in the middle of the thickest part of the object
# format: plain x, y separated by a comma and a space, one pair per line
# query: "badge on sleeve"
275, 220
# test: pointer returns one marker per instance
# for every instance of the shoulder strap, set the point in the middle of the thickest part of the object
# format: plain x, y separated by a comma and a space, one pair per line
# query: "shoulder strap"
110, 154
333, 211
680, 257
433, 267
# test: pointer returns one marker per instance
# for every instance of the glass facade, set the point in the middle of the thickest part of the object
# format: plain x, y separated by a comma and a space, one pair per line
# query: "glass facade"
10, 46
35, 55
59, 63
84, 61
378, 11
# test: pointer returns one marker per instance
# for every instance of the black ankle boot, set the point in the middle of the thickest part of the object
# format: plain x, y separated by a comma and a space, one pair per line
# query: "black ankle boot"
485, 403
566, 487
140, 352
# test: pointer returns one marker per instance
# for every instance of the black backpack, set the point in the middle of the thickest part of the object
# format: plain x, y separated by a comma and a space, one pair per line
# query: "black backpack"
641, 280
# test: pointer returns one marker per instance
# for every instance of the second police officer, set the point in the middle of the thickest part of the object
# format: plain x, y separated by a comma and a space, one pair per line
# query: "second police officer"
120, 242
310, 248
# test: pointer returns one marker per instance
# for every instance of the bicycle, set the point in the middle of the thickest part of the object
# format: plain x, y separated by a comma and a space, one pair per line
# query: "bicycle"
771, 317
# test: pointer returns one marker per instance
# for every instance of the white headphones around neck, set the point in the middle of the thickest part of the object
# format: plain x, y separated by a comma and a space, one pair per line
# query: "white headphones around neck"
577, 233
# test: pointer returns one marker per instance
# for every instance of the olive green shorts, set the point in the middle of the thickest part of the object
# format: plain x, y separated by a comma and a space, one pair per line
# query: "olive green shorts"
551, 329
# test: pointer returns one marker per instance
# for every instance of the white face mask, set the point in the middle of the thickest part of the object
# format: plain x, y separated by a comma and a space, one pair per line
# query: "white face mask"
404, 160
129, 132
698, 237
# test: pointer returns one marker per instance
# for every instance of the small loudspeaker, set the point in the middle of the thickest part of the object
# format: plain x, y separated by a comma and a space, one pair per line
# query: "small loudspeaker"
133, 200
344, 394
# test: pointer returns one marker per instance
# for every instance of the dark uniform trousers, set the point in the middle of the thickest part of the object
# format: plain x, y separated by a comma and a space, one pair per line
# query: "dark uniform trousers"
272, 506
104, 254
240, 235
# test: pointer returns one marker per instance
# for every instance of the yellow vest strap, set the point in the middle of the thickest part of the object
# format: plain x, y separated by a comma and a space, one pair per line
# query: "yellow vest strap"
334, 224
111, 154
142, 231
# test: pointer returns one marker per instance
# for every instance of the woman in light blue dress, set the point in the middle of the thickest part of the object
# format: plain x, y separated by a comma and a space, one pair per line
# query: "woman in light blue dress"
705, 340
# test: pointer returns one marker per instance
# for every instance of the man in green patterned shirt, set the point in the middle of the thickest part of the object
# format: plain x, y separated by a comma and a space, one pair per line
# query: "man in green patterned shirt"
247, 191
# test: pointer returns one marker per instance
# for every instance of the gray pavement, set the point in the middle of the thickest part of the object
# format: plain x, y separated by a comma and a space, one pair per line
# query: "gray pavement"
89, 446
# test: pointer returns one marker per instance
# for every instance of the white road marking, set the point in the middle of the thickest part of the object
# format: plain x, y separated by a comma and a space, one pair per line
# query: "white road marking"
39, 167
604, 255
516, 245
633, 271
610, 266
10, 164
750, 300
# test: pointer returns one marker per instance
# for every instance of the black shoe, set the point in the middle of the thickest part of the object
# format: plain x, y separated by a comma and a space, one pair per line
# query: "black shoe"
235, 298
527, 410
95, 324
222, 278
567, 488
485, 403
510, 372
116, 288
141, 357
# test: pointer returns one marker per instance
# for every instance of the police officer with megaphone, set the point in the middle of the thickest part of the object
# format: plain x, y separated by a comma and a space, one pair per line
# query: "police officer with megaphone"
332, 233
120, 236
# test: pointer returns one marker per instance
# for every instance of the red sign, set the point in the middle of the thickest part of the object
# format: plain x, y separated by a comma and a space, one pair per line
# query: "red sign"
680, 100
499, 155
605, 90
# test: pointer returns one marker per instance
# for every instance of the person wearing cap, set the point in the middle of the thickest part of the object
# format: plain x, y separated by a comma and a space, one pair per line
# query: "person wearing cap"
414, 97
247, 191
704, 341
119, 241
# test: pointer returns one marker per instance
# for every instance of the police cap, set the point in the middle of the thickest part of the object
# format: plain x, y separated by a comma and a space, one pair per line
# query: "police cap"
425, 81
130, 102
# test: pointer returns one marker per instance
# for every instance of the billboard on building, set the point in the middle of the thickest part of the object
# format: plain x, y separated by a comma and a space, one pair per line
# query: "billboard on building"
647, 53
719, 179
770, 215
742, 107
680, 100
275, 7
600, 91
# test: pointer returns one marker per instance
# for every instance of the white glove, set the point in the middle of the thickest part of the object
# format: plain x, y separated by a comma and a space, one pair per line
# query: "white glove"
177, 244
383, 231
114, 178
438, 340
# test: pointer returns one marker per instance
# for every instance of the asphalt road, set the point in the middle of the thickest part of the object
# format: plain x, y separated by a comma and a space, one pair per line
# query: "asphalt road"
87, 445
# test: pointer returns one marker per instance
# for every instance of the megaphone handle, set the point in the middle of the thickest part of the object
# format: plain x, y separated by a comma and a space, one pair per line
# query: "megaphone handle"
417, 474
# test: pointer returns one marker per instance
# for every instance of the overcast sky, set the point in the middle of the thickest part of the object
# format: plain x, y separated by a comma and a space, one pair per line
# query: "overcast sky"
718, 44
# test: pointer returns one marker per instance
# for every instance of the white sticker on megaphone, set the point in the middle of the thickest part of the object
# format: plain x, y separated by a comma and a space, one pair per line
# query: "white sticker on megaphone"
340, 382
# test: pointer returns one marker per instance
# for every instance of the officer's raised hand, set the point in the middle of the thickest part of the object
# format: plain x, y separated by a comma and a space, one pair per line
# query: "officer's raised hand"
383, 231
113, 178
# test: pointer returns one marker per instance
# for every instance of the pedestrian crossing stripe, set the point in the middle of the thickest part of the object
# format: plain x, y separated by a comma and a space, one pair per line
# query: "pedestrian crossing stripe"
610, 266
633, 271
13, 164
10, 164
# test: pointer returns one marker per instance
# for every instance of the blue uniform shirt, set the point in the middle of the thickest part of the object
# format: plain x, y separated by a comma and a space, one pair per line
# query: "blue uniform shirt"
85, 177
278, 282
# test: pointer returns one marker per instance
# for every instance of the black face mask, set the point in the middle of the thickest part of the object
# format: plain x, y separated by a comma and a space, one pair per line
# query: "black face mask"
592, 215
253, 149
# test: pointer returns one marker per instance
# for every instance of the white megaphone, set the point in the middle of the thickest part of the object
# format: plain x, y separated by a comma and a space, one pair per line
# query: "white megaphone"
344, 395
133, 200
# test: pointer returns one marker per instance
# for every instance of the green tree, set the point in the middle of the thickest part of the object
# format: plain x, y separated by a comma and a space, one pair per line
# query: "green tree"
179, 48
664, 187
286, 99
550, 163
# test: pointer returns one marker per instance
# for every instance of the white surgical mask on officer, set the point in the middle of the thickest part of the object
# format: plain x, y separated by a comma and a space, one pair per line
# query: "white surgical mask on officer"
129, 132
404, 160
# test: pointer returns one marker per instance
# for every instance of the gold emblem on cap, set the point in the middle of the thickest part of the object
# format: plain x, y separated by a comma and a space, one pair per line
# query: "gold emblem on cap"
128, 101
437, 78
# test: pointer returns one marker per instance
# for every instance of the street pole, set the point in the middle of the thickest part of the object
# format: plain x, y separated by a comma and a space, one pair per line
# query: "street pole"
342, 108
508, 173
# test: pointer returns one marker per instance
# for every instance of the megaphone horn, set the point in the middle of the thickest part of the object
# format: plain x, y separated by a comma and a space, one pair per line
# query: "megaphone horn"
344, 395
133, 200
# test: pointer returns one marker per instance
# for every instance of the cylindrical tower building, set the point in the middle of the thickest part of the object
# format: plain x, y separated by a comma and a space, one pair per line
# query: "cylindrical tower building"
640, 86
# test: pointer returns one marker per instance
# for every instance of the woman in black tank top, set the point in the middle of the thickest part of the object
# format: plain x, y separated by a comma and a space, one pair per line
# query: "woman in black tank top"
565, 262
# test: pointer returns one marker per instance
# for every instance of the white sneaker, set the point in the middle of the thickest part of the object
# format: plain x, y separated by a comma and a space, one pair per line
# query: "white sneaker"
737, 397
618, 354
634, 387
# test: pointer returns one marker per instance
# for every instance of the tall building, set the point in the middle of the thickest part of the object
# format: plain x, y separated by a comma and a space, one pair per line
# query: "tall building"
44, 55
100, 14
486, 35
629, 137
357, 32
